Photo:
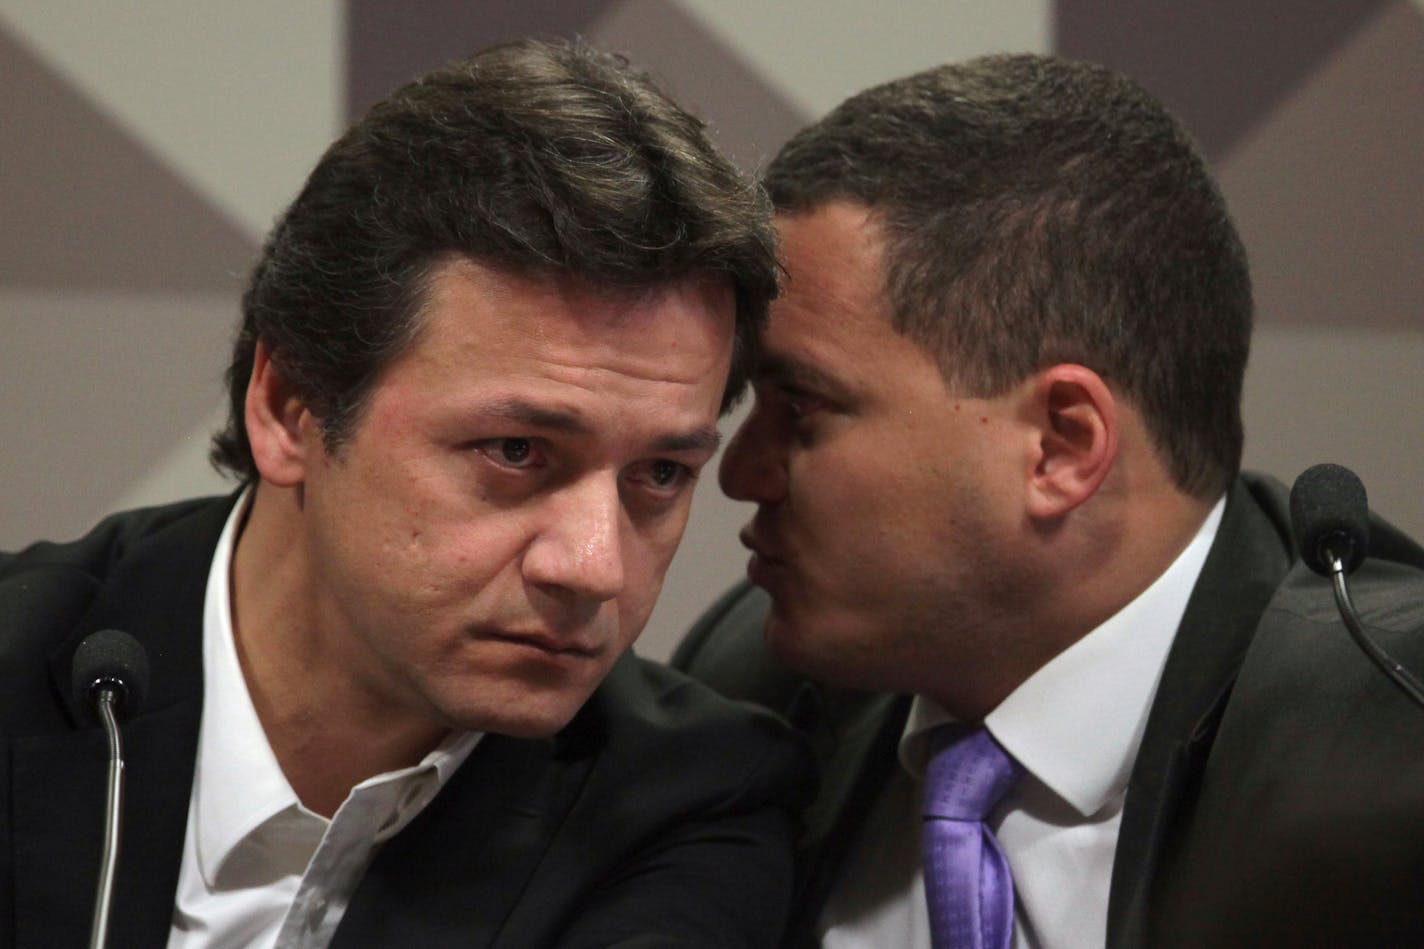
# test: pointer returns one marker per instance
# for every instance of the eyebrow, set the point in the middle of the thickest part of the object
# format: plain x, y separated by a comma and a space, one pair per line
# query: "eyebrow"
538, 416
699, 440
705, 439
790, 371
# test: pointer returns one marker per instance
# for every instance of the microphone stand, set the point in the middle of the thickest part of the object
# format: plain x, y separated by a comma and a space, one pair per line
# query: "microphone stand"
1386, 663
99, 930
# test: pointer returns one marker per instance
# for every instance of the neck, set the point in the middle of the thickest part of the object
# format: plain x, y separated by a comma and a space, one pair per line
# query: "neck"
327, 732
1091, 566
1141, 524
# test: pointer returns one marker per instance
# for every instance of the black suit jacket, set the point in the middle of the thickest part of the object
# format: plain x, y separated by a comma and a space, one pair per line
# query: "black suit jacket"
659, 816
1278, 795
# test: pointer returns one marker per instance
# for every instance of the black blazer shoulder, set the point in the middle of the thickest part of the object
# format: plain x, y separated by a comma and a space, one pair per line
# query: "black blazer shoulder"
1304, 816
144, 572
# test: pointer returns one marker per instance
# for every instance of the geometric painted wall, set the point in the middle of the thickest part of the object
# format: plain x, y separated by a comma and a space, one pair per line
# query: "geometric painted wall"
1312, 114
145, 149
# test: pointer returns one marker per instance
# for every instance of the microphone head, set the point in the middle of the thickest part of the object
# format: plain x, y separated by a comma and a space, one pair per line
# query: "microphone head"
110, 658
1330, 515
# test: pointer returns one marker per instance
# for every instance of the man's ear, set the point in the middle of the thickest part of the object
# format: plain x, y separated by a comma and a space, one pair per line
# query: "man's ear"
280, 430
1078, 428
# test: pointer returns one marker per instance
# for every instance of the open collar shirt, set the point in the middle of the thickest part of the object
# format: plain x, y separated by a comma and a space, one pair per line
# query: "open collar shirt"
260, 869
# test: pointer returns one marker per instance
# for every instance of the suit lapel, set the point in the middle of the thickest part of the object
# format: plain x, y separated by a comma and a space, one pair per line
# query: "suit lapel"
155, 594
1243, 569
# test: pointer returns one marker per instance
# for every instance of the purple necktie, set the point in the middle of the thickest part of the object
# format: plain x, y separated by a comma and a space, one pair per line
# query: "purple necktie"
967, 882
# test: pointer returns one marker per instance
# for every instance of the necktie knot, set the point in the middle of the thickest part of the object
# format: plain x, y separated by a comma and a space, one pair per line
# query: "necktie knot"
969, 889
967, 775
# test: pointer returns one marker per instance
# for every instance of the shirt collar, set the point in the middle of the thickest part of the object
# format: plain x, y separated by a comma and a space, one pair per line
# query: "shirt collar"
238, 784
1077, 722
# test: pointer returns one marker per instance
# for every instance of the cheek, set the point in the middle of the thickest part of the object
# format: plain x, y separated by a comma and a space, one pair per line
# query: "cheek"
468, 554
431, 559
841, 492
866, 535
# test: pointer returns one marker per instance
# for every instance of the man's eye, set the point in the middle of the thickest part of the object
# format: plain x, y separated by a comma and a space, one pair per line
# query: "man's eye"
511, 452
799, 404
663, 475
666, 473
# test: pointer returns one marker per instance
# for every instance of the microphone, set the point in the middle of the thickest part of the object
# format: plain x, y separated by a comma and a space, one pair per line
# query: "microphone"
109, 677
111, 660
1330, 518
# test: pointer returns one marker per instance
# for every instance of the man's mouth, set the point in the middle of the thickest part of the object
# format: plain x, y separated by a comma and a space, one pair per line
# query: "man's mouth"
767, 561
758, 546
553, 646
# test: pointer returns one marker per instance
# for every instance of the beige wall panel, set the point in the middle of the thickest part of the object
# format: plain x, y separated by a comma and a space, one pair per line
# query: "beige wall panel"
1346, 395
97, 390
818, 52
240, 98
1328, 190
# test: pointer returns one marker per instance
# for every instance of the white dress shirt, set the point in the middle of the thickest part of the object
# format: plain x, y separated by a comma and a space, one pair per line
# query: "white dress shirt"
1075, 725
260, 869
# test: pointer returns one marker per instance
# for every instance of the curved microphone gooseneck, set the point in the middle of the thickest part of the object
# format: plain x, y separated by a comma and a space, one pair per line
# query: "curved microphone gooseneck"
110, 677
1330, 518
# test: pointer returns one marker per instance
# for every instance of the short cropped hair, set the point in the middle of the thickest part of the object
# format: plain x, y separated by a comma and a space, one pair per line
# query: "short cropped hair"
1039, 211
541, 158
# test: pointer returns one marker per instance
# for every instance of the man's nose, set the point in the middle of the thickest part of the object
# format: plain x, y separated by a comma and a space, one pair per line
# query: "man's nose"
754, 464
580, 548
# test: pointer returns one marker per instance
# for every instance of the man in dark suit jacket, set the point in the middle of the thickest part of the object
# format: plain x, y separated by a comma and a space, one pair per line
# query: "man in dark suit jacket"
994, 454
481, 360
643, 818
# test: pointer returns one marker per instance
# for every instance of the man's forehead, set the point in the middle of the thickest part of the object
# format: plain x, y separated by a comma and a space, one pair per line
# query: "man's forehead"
833, 293
516, 304
447, 273
832, 256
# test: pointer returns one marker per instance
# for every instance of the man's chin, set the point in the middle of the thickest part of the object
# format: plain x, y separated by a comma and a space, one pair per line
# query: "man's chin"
810, 647
543, 723
527, 712
788, 641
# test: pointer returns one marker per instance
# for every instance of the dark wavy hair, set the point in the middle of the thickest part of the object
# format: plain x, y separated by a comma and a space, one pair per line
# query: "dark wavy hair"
1039, 211
543, 158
